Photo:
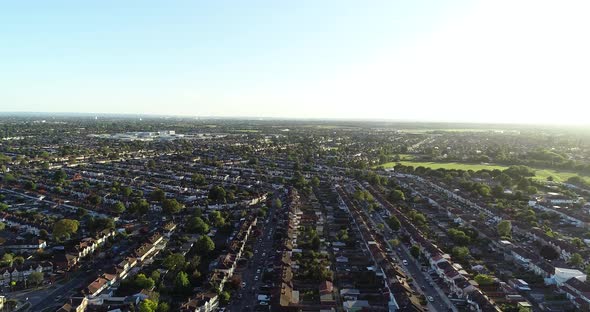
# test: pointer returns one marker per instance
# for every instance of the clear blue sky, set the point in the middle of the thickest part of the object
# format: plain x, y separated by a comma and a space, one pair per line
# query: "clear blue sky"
431, 60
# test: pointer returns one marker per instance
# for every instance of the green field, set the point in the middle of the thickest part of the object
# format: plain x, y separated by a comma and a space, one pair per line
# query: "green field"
542, 174
449, 165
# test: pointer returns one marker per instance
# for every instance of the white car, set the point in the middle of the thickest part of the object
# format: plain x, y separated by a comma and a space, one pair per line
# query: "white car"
430, 298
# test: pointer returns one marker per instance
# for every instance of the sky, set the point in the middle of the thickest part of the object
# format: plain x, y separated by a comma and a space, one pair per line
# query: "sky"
506, 61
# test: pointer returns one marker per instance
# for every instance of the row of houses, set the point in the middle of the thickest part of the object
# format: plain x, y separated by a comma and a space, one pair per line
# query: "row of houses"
120, 271
452, 274
22, 272
86, 246
223, 270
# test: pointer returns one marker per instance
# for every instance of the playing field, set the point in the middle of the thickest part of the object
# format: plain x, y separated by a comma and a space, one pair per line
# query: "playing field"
541, 174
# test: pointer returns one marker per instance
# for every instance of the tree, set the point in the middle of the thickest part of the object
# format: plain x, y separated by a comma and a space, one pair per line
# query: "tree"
155, 275
459, 237
198, 179
35, 278
7, 259
181, 281
224, 296
505, 228
171, 206
59, 176
163, 307
118, 207
277, 203
576, 260
30, 185
175, 260
483, 279
141, 207
126, 191
548, 252
415, 251
148, 305
396, 195
204, 245
216, 219
151, 164
143, 282
19, 260
158, 195
315, 181
198, 225
578, 242
217, 194
65, 228
2, 226
94, 199
461, 253
393, 223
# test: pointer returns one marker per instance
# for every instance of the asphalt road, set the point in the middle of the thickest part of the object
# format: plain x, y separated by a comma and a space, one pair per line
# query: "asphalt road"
420, 278
263, 250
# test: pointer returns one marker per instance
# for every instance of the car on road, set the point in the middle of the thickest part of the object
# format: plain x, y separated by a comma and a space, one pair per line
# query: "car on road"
405, 262
243, 284
430, 299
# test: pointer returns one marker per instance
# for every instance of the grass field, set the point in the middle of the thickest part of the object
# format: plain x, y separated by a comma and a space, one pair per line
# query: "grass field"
541, 174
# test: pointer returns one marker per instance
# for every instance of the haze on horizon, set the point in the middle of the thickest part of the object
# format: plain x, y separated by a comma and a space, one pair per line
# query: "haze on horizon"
519, 61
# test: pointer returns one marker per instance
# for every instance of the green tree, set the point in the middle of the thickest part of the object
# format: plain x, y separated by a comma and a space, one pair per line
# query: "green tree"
216, 219
204, 245
7, 259
277, 203
217, 194
198, 179
171, 206
505, 228
394, 223
198, 225
181, 282
2, 226
65, 228
396, 195
484, 279
126, 191
144, 282
158, 195
155, 276
576, 260
19, 260
35, 278
163, 307
94, 199
315, 181
224, 297
30, 185
459, 237
148, 305
415, 251
118, 207
461, 253
59, 176
175, 260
